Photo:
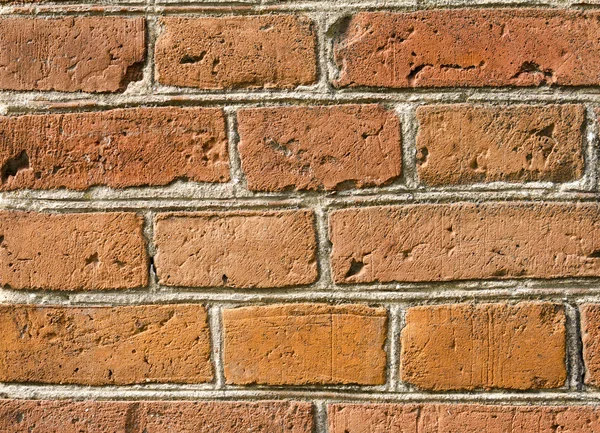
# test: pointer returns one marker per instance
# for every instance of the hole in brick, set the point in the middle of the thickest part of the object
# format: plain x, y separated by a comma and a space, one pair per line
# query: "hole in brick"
14, 165
188, 59
19, 417
422, 155
548, 131
594, 254
225, 279
93, 259
355, 268
133, 73
1, 239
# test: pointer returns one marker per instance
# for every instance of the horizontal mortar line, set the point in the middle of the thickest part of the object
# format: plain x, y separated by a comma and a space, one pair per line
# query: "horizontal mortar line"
240, 8
569, 292
43, 101
186, 392
121, 201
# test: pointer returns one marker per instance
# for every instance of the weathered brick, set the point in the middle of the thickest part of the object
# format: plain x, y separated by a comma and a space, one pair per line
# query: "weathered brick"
117, 148
269, 51
465, 346
462, 241
463, 418
470, 47
90, 54
226, 417
47, 416
305, 344
319, 147
236, 249
84, 251
590, 324
461, 143
105, 345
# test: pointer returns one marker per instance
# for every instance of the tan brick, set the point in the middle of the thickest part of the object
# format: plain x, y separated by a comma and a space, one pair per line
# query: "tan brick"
466, 347
236, 249
268, 51
305, 344
117, 148
46, 416
105, 345
84, 251
470, 47
226, 417
462, 241
319, 147
463, 418
91, 54
590, 330
462, 143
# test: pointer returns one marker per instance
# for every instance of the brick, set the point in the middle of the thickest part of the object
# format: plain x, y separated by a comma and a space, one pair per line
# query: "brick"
463, 418
116, 148
268, 51
84, 251
463, 241
46, 416
468, 47
305, 344
105, 345
461, 144
236, 249
467, 347
590, 330
226, 417
327, 147
90, 54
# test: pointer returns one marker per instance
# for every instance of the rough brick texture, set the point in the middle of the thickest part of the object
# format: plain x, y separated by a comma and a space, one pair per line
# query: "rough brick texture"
91, 54
227, 417
319, 147
236, 249
461, 418
117, 148
270, 51
305, 344
32, 416
105, 345
469, 47
590, 318
464, 346
465, 241
72, 251
461, 144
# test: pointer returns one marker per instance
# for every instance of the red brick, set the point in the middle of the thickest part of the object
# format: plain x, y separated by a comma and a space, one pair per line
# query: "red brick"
461, 418
463, 241
105, 345
590, 324
467, 347
463, 143
46, 416
305, 344
319, 147
117, 148
470, 47
268, 51
90, 54
226, 417
85, 251
236, 249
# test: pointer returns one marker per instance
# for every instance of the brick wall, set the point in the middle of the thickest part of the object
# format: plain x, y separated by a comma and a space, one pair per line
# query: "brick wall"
375, 216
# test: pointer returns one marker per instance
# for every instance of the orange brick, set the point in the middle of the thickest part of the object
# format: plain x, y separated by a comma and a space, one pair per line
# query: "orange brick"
105, 345
467, 347
83, 251
305, 344
236, 249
